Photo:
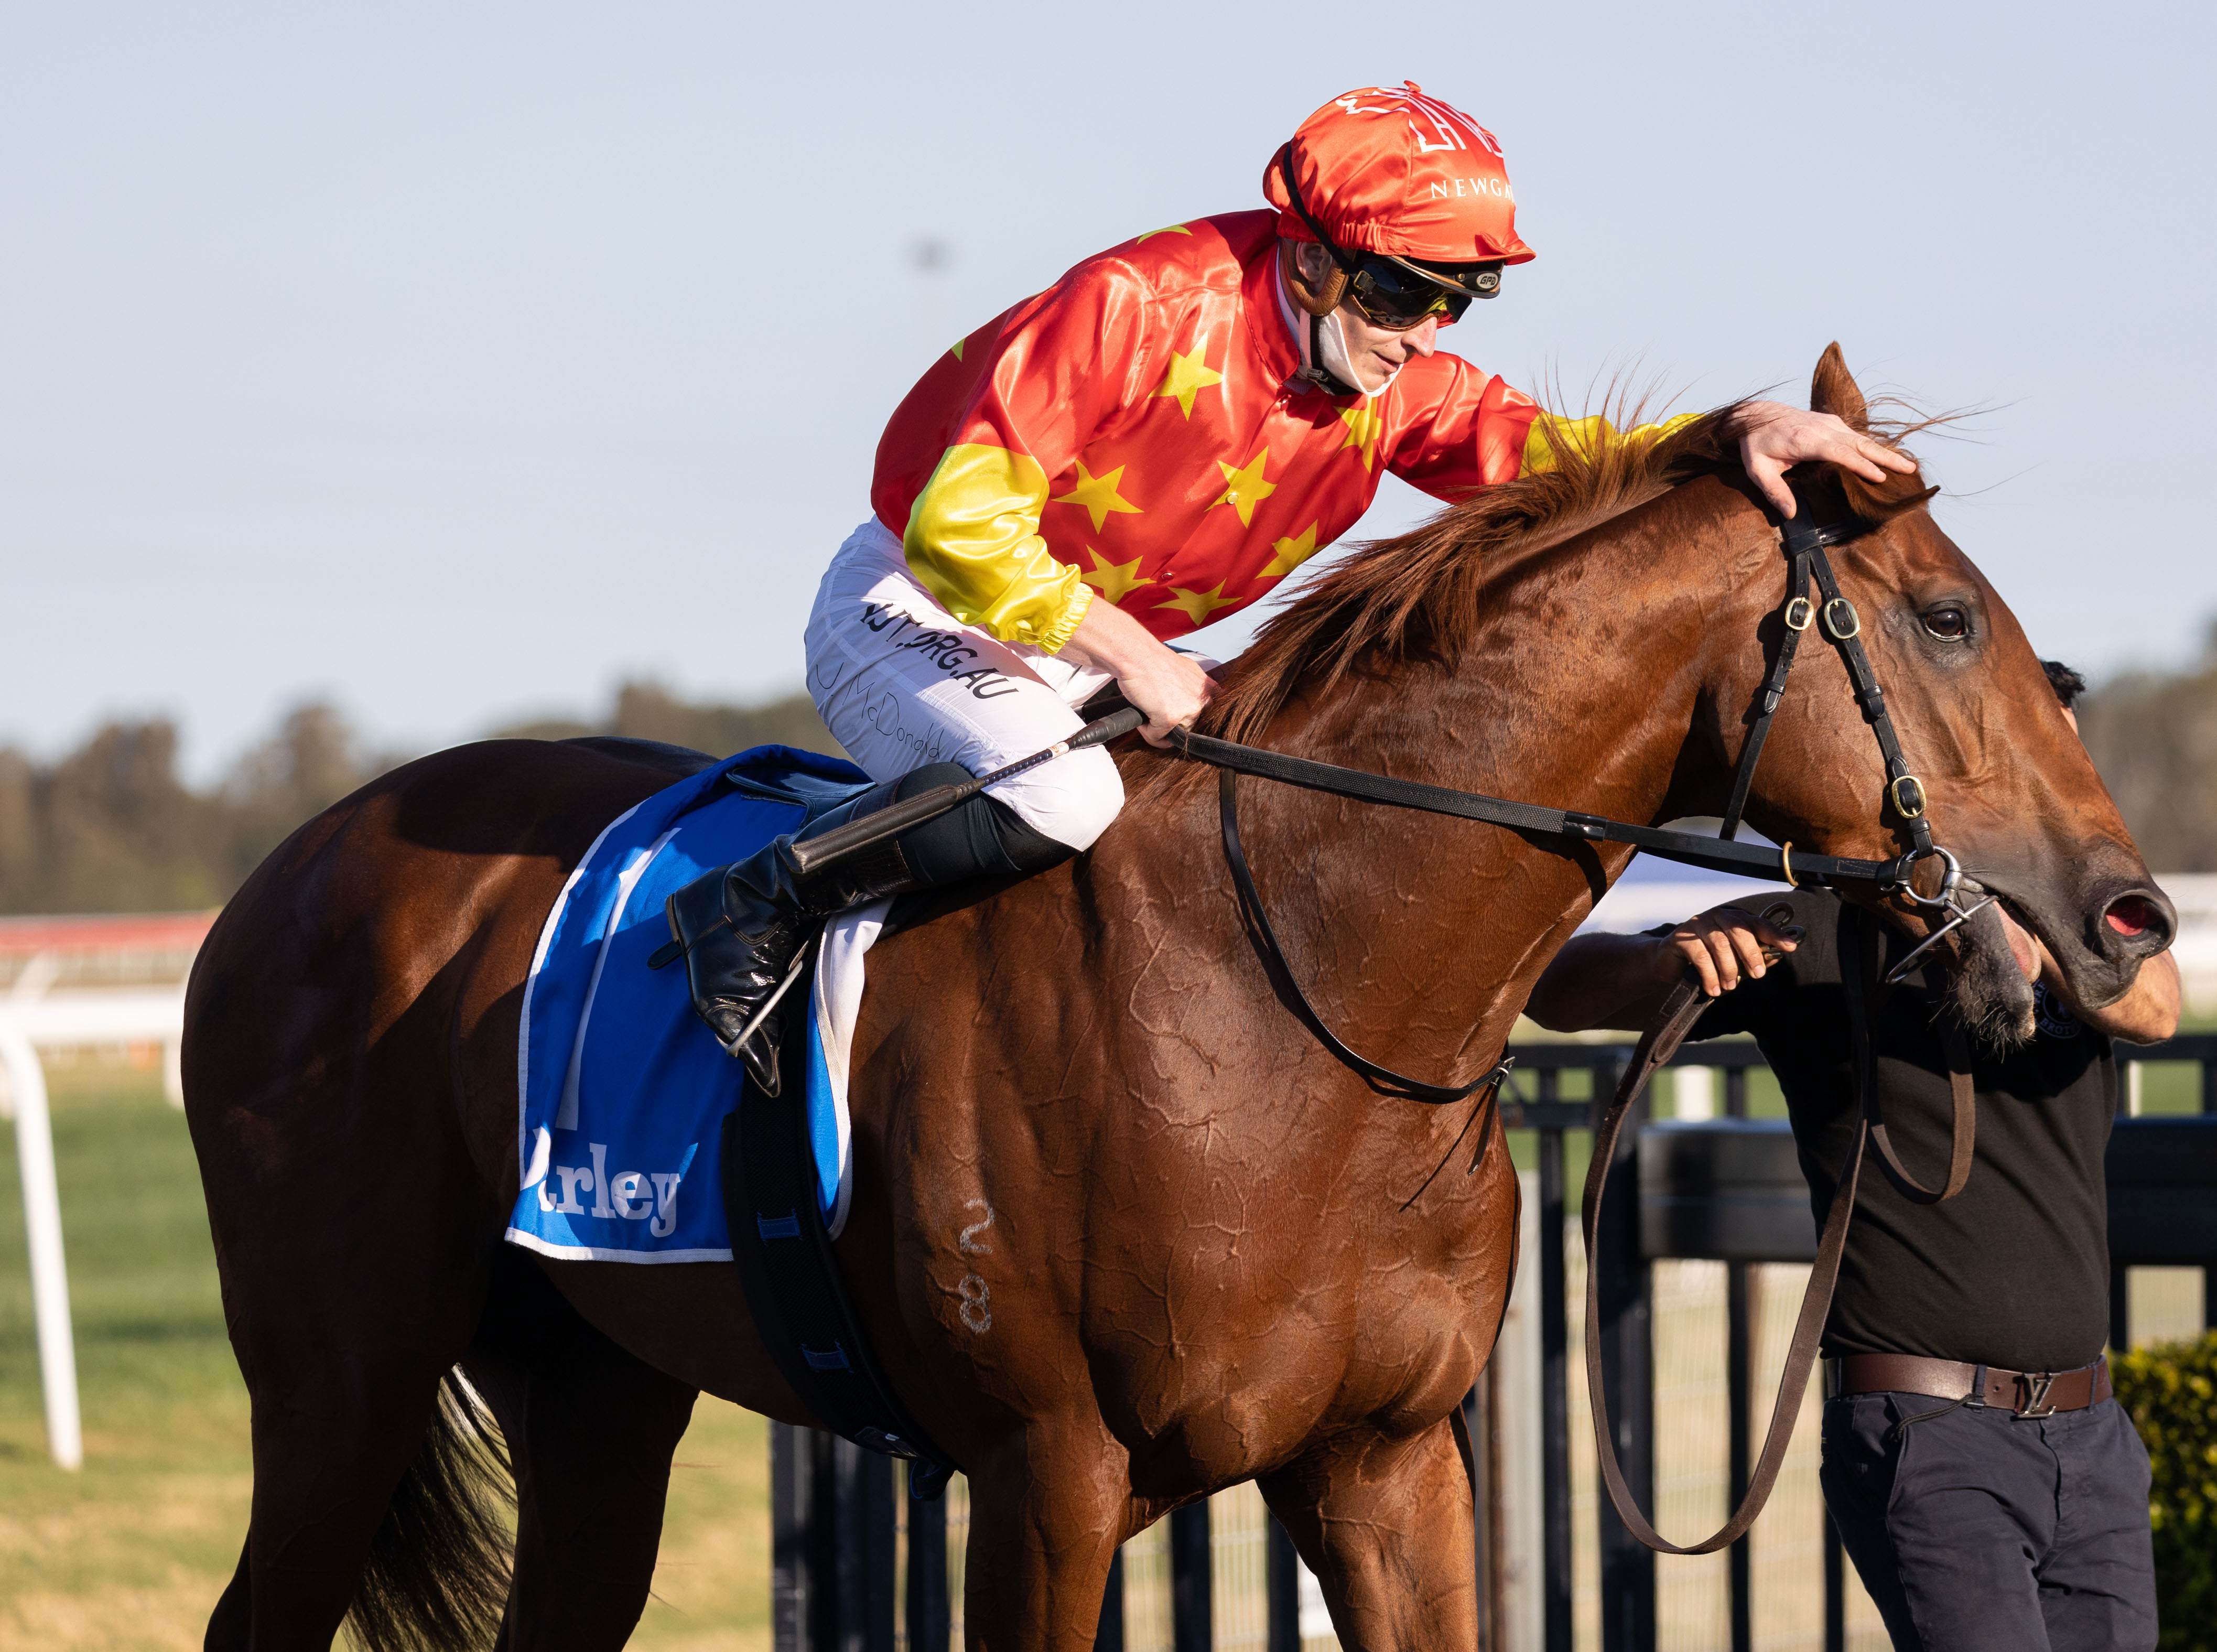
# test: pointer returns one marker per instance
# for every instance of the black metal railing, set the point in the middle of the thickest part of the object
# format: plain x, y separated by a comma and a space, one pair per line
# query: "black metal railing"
846, 1548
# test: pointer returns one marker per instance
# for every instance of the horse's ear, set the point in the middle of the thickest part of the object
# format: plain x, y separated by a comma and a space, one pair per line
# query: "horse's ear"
1833, 390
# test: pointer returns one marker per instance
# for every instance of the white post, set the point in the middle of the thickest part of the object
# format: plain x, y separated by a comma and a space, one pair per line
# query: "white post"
42, 1219
1693, 1092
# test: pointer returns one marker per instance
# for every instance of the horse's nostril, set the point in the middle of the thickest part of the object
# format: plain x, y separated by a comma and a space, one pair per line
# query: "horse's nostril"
2133, 916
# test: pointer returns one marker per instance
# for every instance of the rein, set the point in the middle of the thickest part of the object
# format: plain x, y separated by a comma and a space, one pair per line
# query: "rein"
1804, 540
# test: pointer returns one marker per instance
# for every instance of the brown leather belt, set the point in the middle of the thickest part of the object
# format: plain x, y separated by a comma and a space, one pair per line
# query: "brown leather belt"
2024, 1393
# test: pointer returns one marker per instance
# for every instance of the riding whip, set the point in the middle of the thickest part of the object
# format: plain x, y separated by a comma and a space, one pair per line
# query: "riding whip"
812, 855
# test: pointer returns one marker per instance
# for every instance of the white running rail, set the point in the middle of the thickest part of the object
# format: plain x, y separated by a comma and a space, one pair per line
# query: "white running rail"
42, 1219
31, 1018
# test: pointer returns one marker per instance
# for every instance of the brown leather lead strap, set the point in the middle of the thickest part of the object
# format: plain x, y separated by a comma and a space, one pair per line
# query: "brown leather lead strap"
1965, 1099
1857, 962
1680, 1011
1675, 1019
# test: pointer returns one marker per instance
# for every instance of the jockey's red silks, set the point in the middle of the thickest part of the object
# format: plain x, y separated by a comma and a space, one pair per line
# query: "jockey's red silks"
1134, 432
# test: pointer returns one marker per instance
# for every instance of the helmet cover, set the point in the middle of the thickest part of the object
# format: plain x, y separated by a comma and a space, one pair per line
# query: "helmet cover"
1393, 171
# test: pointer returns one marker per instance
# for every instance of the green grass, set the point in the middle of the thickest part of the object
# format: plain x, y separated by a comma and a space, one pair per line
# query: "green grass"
132, 1551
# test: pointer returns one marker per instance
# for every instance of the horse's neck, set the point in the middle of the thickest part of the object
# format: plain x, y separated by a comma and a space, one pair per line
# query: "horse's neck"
1576, 691
1579, 692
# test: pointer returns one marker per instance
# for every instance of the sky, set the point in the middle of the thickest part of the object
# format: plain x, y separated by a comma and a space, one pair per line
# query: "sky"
454, 362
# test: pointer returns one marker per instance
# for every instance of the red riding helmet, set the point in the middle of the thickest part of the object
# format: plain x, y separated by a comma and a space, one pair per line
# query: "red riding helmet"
1392, 172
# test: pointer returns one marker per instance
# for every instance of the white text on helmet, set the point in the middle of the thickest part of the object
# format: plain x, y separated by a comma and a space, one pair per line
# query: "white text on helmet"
1498, 186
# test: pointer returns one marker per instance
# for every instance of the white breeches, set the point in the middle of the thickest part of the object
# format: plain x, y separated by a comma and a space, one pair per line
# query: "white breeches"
902, 683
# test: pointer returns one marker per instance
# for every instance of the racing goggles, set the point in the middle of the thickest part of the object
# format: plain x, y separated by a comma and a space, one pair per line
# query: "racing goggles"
1398, 296
1395, 293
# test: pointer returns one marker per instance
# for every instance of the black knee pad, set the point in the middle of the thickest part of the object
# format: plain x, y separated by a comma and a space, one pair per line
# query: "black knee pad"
984, 838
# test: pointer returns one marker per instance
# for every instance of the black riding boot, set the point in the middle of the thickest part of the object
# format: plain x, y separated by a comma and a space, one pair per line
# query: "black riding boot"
741, 925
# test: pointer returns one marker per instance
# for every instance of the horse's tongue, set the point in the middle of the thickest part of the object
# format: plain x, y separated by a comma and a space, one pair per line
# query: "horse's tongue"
2021, 944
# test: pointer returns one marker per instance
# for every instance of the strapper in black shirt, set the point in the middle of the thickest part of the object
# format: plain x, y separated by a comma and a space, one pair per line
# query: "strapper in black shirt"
2014, 1271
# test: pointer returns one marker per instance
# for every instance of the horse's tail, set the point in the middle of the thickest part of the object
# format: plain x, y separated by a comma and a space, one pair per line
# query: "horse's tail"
437, 1575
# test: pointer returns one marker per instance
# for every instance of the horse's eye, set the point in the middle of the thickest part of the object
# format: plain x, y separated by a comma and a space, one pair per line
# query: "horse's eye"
1949, 624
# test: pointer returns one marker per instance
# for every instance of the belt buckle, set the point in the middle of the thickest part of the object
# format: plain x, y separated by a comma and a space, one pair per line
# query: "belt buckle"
2033, 1388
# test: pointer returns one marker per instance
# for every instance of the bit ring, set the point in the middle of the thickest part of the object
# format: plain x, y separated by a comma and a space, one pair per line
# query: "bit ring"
1952, 870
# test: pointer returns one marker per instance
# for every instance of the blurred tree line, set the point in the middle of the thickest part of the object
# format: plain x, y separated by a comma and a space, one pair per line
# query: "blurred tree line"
647, 711
111, 827
2153, 735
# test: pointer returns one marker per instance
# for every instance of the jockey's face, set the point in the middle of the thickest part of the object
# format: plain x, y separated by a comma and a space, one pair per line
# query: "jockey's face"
1378, 353
1375, 354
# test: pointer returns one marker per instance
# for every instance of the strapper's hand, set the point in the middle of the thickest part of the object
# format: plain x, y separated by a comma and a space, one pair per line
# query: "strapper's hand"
1723, 944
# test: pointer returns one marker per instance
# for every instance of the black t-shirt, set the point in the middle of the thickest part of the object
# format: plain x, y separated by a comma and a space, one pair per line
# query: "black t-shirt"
2013, 1271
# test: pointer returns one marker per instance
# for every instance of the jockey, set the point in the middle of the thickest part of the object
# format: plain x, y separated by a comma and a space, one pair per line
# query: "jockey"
1152, 444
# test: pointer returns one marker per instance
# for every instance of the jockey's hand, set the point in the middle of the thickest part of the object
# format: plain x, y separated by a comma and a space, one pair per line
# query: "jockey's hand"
1776, 437
1723, 944
1171, 688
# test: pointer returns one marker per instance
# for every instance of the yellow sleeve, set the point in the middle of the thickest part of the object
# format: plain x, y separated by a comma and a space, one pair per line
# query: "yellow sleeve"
1550, 435
973, 540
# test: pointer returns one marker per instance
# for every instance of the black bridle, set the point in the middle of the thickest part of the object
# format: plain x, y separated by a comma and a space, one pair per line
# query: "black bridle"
1805, 539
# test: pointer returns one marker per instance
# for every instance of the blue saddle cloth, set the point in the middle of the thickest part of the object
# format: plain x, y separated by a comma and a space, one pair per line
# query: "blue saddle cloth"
623, 1090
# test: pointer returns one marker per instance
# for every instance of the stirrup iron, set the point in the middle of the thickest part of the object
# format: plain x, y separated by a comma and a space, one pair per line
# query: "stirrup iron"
737, 1047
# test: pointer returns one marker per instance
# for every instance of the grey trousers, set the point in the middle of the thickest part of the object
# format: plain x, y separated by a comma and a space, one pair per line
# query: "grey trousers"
1973, 1528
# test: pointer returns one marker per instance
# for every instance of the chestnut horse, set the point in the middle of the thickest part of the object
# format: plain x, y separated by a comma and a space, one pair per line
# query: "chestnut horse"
1123, 1233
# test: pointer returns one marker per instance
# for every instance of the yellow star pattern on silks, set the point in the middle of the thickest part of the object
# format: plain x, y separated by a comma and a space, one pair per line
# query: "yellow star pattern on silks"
1189, 376
1363, 427
1197, 605
1167, 229
1114, 580
1291, 553
1097, 494
1244, 488
955, 349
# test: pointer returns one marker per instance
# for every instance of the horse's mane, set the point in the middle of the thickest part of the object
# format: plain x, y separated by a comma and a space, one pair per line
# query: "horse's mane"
1419, 596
